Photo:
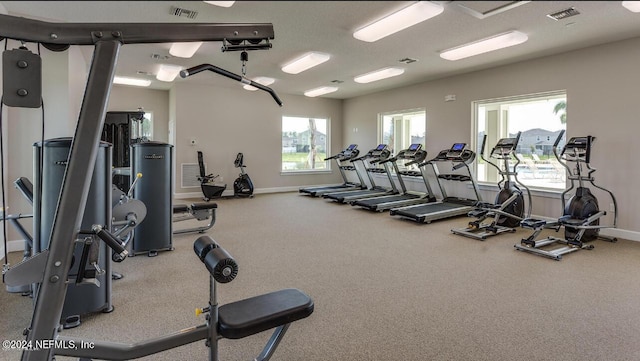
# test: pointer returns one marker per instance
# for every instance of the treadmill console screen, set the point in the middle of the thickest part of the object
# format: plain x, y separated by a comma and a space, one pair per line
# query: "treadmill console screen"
381, 147
414, 147
352, 147
577, 142
506, 143
458, 147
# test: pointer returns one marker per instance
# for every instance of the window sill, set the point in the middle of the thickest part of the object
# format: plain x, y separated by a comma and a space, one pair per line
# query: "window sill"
535, 192
305, 172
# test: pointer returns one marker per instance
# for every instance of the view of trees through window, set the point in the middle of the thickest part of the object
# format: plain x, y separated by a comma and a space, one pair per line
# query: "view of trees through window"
304, 144
539, 118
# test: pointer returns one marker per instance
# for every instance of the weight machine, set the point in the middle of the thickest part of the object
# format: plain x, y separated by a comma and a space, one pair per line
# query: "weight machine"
22, 88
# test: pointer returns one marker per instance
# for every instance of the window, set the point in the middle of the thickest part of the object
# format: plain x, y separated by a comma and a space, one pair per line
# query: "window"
142, 128
400, 129
539, 118
305, 144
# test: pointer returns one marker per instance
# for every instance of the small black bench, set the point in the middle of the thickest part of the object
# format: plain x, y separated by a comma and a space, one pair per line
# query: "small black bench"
199, 211
256, 314
236, 320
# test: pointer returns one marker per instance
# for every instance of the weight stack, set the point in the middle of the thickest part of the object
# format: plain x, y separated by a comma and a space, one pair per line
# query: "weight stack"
82, 298
154, 160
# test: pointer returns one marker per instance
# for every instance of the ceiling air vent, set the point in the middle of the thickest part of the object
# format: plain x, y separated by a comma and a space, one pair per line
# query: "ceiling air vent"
567, 13
407, 60
337, 81
182, 12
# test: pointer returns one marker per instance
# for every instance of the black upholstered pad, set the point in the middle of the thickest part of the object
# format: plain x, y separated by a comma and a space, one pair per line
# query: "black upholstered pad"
252, 315
199, 206
180, 208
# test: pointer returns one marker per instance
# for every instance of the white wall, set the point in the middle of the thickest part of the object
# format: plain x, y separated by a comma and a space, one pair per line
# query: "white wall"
603, 87
228, 120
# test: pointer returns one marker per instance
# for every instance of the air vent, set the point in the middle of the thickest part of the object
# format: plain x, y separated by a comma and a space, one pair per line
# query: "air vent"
407, 60
159, 57
182, 12
337, 81
190, 174
567, 13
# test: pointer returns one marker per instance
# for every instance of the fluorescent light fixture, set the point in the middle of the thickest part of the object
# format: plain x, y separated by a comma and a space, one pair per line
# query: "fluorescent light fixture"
224, 4
260, 80
184, 50
492, 43
399, 20
378, 75
320, 91
131, 81
307, 61
168, 72
632, 6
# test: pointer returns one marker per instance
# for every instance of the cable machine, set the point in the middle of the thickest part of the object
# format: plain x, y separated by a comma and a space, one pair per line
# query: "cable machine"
265, 312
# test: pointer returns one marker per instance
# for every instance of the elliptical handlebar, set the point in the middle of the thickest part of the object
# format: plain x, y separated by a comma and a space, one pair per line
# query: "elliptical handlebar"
555, 152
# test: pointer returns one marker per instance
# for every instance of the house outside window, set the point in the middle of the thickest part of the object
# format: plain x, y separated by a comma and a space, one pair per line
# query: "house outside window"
539, 118
305, 143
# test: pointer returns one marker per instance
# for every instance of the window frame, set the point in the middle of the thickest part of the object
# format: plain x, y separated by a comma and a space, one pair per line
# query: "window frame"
474, 143
328, 168
405, 112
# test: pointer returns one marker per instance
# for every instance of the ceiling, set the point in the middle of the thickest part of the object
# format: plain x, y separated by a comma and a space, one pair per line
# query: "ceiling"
327, 26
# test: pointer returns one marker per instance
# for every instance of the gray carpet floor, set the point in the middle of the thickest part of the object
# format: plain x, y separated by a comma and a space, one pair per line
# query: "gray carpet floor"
384, 289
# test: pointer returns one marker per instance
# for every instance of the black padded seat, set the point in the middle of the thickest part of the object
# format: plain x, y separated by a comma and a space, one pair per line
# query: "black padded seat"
256, 314
180, 208
199, 206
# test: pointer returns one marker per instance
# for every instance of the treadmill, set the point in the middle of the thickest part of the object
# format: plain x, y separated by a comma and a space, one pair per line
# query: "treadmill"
370, 162
448, 207
412, 156
347, 154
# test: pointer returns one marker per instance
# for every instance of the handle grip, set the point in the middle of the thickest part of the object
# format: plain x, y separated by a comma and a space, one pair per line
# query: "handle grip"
198, 68
110, 240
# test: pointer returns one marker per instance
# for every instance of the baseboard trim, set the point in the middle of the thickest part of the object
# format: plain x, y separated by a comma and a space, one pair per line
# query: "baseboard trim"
229, 192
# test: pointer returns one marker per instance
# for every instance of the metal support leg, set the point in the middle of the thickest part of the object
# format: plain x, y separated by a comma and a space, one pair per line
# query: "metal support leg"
73, 199
273, 343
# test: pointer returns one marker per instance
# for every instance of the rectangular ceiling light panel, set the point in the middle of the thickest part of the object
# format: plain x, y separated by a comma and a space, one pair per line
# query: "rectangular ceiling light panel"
486, 45
307, 61
185, 50
168, 72
320, 91
260, 80
399, 20
378, 75
224, 4
131, 81
632, 6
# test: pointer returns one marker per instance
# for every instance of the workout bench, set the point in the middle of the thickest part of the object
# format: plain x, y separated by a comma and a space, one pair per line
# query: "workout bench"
233, 321
199, 211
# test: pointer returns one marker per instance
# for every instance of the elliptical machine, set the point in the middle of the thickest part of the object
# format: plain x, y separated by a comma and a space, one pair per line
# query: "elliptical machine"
508, 210
581, 214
